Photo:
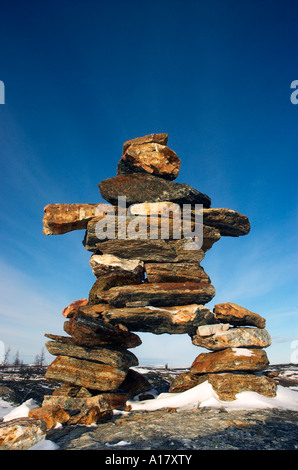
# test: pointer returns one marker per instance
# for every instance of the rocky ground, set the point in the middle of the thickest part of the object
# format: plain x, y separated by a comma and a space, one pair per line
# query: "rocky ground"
198, 429
167, 429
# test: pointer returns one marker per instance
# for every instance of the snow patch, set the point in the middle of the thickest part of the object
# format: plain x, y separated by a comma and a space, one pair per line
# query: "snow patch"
203, 395
45, 444
120, 443
141, 370
5, 408
22, 410
243, 352
162, 309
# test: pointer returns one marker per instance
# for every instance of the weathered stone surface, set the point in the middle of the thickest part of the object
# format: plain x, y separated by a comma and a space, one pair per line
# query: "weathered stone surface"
84, 411
110, 264
64, 339
238, 316
208, 330
52, 415
184, 381
21, 433
142, 228
171, 320
85, 373
152, 158
70, 403
160, 295
234, 338
150, 250
119, 358
116, 399
161, 138
67, 390
164, 209
176, 272
230, 359
107, 281
90, 331
229, 222
135, 383
63, 218
7, 394
93, 310
147, 188
103, 400
226, 385
71, 309
91, 415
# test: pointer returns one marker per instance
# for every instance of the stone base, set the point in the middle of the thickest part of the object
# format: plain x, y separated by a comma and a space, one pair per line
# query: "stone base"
69, 410
227, 385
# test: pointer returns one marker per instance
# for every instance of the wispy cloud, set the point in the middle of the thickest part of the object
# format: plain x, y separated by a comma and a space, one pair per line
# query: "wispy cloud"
264, 268
280, 339
26, 311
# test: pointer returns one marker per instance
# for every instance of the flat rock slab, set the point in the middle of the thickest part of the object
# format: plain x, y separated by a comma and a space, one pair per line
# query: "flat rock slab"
234, 338
150, 250
62, 218
152, 158
107, 400
135, 228
160, 295
74, 403
87, 330
209, 330
72, 308
237, 315
161, 138
119, 358
147, 188
230, 359
106, 281
229, 222
91, 375
176, 272
21, 433
171, 320
110, 264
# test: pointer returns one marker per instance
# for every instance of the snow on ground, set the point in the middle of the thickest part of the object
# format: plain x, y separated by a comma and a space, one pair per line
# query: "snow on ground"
5, 408
120, 443
21, 411
203, 395
45, 444
200, 396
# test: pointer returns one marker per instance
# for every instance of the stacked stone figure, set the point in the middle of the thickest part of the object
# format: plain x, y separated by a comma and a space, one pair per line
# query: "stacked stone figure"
148, 282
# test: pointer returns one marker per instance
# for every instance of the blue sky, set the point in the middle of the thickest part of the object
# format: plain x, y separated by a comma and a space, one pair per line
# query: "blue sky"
82, 77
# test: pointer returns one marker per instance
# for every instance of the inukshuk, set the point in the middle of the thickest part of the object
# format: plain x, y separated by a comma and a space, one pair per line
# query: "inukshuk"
148, 282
